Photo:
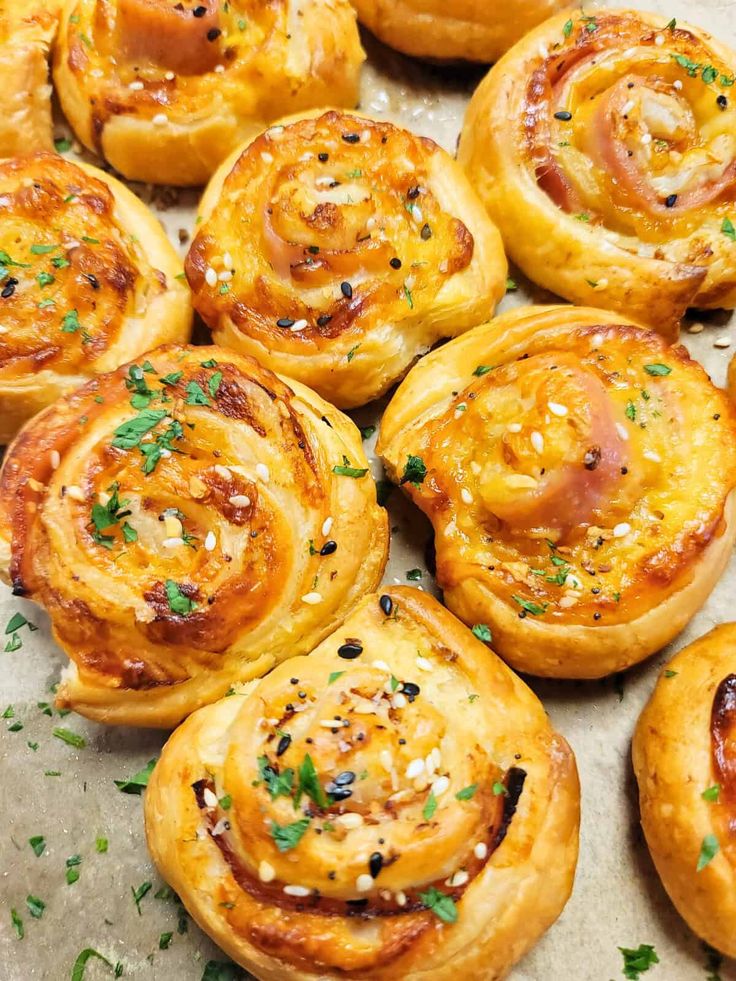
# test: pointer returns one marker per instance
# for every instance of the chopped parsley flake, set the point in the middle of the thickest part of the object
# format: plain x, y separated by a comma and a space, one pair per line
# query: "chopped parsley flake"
70, 738
657, 370
414, 471
179, 603
430, 807
708, 851
728, 229
143, 889
139, 781
637, 962
288, 836
712, 793
483, 632
467, 793
535, 609
442, 905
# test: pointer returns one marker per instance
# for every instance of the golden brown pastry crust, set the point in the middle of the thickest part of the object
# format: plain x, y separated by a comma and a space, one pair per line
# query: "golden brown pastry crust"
684, 748
89, 281
468, 30
604, 146
401, 668
174, 517
337, 249
579, 477
27, 31
184, 91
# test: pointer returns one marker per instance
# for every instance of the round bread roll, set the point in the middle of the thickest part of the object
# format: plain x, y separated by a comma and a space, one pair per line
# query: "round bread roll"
604, 147
394, 805
88, 281
187, 521
337, 249
165, 91
685, 761
578, 473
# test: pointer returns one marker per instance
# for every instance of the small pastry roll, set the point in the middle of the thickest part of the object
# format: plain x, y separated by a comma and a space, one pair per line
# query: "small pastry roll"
604, 146
337, 249
394, 805
467, 30
165, 91
27, 30
578, 473
684, 754
731, 380
88, 280
187, 521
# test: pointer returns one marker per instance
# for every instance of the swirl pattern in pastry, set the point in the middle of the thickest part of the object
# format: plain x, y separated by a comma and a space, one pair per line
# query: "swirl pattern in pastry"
187, 521
88, 280
396, 804
337, 249
604, 146
579, 474
467, 30
684, 754
165, 91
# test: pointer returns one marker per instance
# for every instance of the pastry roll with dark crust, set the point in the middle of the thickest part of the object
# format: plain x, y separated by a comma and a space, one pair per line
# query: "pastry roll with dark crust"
88, 281
337, 249
604, 147
579, 474
394, 805
463, 30
685, 761
27, 31
187, 521
164, 91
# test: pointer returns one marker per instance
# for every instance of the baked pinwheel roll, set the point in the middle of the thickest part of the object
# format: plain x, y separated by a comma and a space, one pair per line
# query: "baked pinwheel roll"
684, 753
88, 280
337, 249
578, 473
164, 90
604, 147
27, 29
468, 30
394, 805
187, 521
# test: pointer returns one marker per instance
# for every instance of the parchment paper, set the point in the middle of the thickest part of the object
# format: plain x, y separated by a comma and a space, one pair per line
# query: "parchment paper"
618, 900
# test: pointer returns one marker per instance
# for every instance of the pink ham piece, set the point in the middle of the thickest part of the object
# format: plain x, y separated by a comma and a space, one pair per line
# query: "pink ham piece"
182, 37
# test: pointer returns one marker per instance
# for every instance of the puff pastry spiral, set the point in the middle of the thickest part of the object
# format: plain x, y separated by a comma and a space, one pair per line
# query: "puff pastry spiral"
164, 90
604, 146
469, 30
685, 761
88, 280
578, 473
27, 29
187, 521
337, 249
394, 805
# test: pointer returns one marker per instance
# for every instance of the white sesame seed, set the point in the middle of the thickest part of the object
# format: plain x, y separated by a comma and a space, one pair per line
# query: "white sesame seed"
172, 542
401, 899
458, 879
262, 472
627, 107
227, 261
621, 529
646, 139
514, 427
436, 757
481, 850
136, 86
659, 40
327, 526
466, 496
210, 541
423, 663
222, 472
399, 701
429, 765
597, 341
382, 666
219, 69
267, 158
364, 882
567, 601
300, 891
74, 492
622, 430
350, 820
722, 342
160, 119
386, 760
298, 325
174, 527
210, 276
557, 409
677, 84
97, 73
414, 769
266, 871
239, 501
225, 276
537, 441
104, 498
696, 328
330, 723
169, 76
651, 455
209, 798
222, 825
440, 786
311, 599
54, 459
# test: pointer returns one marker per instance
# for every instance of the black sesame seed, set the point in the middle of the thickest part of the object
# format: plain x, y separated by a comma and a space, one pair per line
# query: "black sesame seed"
294, 681
402, 741
426, 232
596, 616
323, 157
92, 280
722, 101
395, 263
375, 864
563, 115
344, 778
347, 290
285, 322
413, 192
213, 33
9, 288
624, 470
332, 876
199, 11
410, 690
351, 137
522, 614
324, 320
302, 694
670, 201
338, 793
386, 604
328, 548
592, 458
350, 651
313, 249
717, 416
283, 745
